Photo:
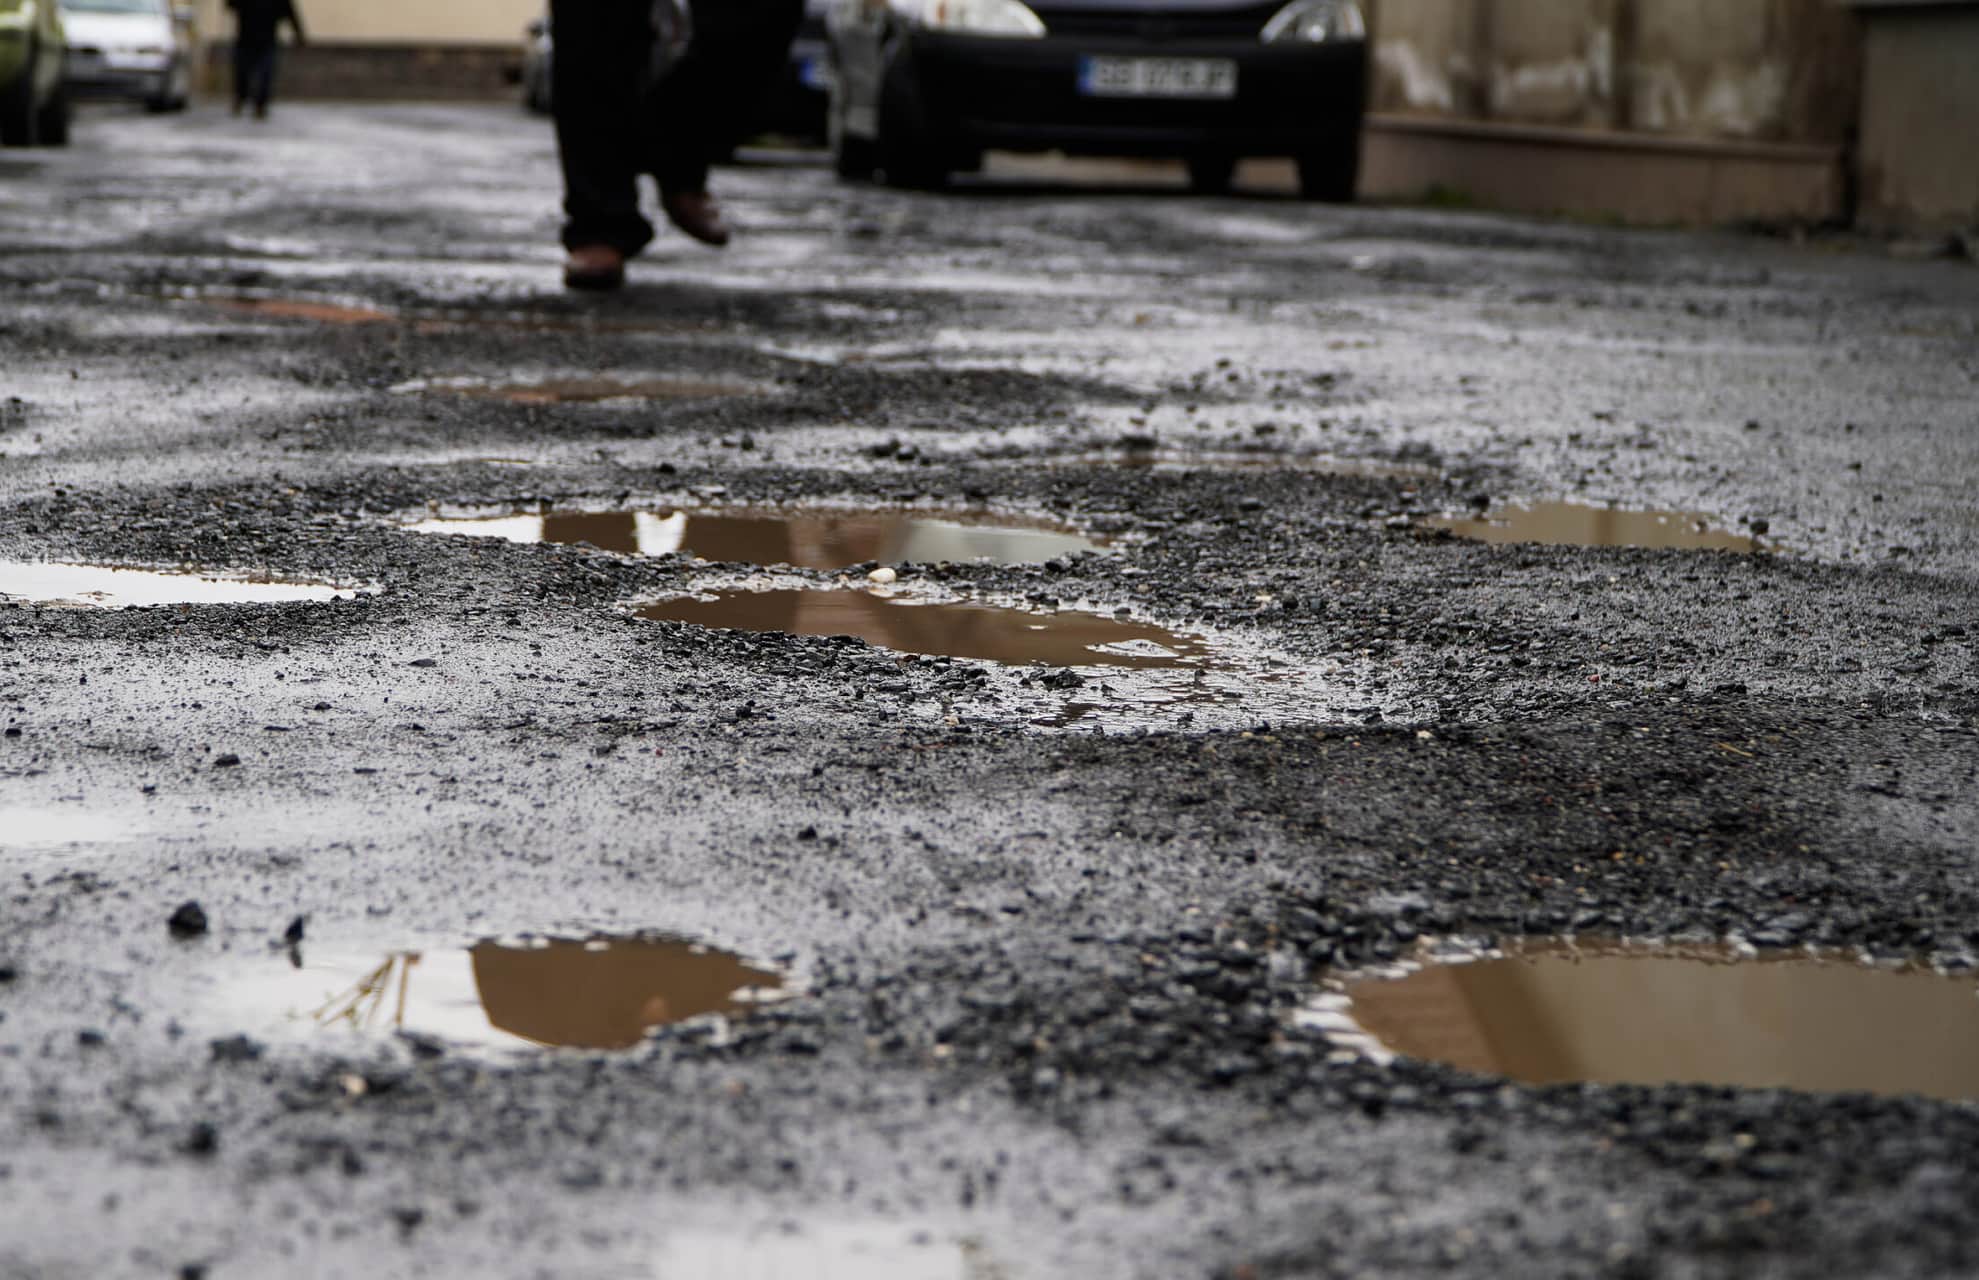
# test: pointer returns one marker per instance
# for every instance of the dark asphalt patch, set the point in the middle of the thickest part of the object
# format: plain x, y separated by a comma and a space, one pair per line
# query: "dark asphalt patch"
1554, 1011
823, 540
1580, 524
578, 993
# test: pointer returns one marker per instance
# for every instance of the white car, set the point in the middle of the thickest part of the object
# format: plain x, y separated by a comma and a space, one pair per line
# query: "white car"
137, 49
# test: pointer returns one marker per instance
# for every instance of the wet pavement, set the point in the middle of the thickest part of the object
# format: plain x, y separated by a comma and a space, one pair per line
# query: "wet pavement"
1049, 922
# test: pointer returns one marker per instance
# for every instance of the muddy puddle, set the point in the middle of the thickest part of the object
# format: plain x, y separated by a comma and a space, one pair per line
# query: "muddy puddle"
824, 1251
1549, 1012
942, 629
577, 390
344, 312
318, 312
32, 829
1577, 524
100, 586
591, 993
801, 539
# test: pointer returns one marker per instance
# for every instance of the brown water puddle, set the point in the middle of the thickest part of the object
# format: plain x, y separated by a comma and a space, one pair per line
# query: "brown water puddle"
1556, 1011
100, 586
595, 993
1576, 524
303, 309
954, 630
801, 539
580, 390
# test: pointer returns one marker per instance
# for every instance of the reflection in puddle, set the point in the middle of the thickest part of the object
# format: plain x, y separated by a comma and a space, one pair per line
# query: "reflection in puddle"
303, 309
823, 1251
1210, 460
599, 993
109, 588
1577, 524
955, 630
804, 540
56, 828
578, 390
1553, 1012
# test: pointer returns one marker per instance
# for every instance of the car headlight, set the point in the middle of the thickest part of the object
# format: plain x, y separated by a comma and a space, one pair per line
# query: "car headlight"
976, 17
1316, 22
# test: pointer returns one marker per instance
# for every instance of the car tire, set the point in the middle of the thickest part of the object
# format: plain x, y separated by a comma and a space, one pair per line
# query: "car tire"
19, 122
1329, 170
52, 122
1210, 175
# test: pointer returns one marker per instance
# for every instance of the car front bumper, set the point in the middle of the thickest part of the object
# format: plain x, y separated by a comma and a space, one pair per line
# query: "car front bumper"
98, 75
1024, 95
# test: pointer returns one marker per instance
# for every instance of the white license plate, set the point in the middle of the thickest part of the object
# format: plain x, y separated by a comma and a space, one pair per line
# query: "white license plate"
1101, 77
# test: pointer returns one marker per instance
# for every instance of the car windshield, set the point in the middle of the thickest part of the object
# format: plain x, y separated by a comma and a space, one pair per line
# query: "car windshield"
114, 6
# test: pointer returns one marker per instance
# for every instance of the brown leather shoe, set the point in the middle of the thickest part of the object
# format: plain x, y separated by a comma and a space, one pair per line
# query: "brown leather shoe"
696, 213
596, 267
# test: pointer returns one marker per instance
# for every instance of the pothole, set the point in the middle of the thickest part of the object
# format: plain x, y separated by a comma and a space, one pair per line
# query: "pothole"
1559, 1011
578, 390
1578, 524
24, 828
579, 993
107, 587
801, 539
952, 629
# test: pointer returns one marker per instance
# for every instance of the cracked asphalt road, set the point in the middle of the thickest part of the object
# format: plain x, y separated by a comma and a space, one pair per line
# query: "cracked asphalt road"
1046, 975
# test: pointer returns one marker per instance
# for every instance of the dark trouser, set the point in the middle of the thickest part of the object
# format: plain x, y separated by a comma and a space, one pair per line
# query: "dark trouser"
254, 72
614, 122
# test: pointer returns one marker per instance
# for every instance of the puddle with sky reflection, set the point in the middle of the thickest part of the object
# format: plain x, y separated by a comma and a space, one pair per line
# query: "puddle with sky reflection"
33, 829
102, 586
824, 1251
1556, 1011
595, 390
801, 539
579, 993
1578, 524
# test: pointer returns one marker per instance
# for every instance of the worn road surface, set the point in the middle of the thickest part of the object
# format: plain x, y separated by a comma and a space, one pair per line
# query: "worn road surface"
1045, 939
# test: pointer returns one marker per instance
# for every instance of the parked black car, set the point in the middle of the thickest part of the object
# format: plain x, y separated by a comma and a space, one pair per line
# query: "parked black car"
920, 88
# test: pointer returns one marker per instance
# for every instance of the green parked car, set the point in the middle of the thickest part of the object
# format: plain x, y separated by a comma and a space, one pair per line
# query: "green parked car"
34, 100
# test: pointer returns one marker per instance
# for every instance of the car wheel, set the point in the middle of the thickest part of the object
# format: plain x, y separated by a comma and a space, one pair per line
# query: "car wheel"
1210, 175
1329, 170
51, 125
18, 123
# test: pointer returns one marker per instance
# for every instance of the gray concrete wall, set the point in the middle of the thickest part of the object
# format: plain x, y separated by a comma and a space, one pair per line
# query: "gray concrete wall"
1919, 149
1769, 70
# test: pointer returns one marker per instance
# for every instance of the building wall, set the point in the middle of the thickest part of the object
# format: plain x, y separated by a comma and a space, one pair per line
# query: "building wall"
1757, 70
1920, 120
414, 22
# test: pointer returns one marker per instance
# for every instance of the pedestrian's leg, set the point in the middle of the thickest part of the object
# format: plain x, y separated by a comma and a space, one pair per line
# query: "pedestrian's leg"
711, 98
264, 81
243, 74
598, 68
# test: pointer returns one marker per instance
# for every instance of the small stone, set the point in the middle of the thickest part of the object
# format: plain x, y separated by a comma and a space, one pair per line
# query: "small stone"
424, 662
204, 1140
226, 761
882, 575
235, 1049
189, 921
293, 934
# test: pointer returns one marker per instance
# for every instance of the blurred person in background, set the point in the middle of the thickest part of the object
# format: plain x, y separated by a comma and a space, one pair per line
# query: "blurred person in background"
621, 111
256, 23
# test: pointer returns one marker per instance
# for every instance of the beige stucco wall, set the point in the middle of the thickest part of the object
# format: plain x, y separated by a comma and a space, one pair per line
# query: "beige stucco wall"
1920, 119
1771, 70
424, 22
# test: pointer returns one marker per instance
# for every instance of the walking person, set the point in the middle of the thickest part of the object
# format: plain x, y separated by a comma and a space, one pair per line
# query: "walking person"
616, 119
256, 24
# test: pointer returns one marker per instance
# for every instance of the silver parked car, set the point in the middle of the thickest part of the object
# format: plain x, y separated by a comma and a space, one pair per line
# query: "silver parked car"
135, 49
